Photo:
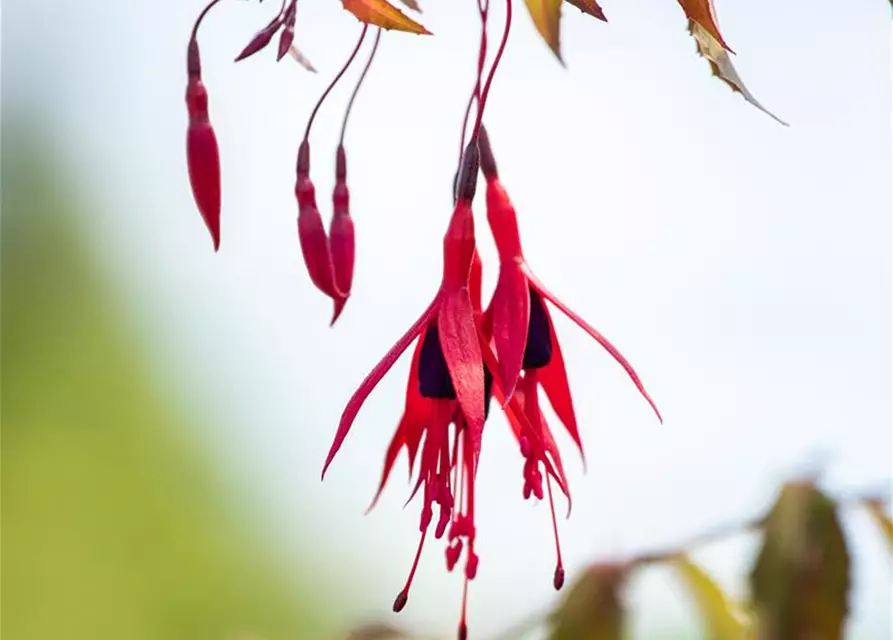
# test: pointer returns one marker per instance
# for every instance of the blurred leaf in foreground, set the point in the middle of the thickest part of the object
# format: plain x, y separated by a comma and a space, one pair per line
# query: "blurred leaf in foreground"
880, 516
721, 621
801, 579
593, 608
114, 526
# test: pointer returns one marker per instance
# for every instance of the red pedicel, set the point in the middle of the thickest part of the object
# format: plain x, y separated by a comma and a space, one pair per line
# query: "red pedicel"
202, 155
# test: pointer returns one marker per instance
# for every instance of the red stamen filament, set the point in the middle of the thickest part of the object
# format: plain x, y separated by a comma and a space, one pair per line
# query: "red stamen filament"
558, 580
463, 624
331, 86
356, 89
403, 596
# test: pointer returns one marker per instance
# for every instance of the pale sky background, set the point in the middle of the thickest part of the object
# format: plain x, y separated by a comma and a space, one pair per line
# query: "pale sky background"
743, 268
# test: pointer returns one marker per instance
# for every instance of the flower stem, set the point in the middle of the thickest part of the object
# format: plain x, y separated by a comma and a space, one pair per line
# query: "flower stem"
356, 89
331, 86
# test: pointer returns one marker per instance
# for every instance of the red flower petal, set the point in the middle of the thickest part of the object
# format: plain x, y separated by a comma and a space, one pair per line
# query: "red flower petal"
511, 316
378, 372
610, 348
462, 352
553, 379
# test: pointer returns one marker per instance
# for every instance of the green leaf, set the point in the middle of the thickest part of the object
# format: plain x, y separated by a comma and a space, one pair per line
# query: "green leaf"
593, 608
720, 618
800, 581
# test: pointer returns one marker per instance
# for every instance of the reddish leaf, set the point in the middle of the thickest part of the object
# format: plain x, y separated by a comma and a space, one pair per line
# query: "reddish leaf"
701, 11
383, 14
721, 65
589, 7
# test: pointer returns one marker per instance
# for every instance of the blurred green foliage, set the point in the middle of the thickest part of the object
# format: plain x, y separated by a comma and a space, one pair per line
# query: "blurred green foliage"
114, 525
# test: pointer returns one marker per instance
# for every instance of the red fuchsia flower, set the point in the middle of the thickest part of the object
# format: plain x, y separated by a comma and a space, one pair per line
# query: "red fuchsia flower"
522, 328
202, 155
518, 325
448, 385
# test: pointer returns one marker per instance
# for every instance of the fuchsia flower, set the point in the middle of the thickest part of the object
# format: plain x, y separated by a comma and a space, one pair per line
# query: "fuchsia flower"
522, 328
448, 385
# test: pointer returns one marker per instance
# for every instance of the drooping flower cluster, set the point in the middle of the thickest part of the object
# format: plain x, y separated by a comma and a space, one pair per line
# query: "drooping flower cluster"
465, 355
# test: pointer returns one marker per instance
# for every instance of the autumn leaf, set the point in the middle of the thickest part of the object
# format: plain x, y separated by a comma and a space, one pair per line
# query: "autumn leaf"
591, 8
382, 14
546, 16
702, 12
800, 581
718, 611
593, 608
879, 515
722, 67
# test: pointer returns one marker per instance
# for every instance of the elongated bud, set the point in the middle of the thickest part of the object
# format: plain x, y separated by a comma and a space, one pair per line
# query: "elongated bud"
202, 154
260, 40
311, 232
488, 162
287, 37
315, 249
341, 233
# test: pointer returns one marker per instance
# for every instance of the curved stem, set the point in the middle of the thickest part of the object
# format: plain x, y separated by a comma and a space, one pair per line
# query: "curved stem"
483, 10
201, 17
356, 89
482, 101
331, 86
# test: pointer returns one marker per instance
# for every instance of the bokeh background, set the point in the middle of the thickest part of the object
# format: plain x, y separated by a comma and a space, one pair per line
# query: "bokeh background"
167, 410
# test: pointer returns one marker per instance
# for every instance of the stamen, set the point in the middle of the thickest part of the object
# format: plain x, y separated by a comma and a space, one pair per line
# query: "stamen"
403, 596
558, 580
463, 624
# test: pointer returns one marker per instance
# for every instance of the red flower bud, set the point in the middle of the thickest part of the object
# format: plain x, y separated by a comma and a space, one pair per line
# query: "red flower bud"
312, 233
288, 33
341, 233
260, 40
202, 155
